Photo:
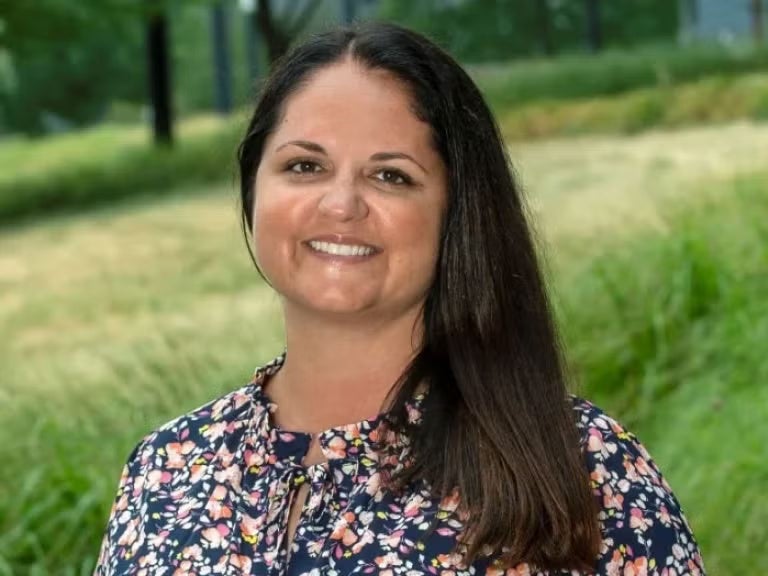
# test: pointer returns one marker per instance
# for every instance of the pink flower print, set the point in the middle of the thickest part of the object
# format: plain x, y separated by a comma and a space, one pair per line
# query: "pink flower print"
449, 560
314, 548
364, 540
631, 471
638, 567
599, 475
373, 484
342, 525
219, 408
215, 507
130, 533
614, 566
157, 477
184, 569
637, 521
598, 445
389, 559
349, 537
642, 467
611, 500
693, 567
414, 506
216, 536
254, 458
177, 453
148, 559
663, 516
250, 529
391, 540
186, 508
157, 540
193, 552
225, 457
121, 504
215, 430
337, 448
414, 414
231, 475
196, 472
269, 557
240, 399
241, 562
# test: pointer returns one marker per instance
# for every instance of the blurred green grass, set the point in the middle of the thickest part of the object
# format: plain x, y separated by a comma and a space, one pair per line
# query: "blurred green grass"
670, 330
121, 318
69, 172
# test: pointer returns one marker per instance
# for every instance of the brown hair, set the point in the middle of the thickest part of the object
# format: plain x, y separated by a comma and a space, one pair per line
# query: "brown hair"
497, 424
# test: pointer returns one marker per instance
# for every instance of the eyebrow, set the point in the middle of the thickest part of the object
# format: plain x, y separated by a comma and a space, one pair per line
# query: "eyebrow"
379, 156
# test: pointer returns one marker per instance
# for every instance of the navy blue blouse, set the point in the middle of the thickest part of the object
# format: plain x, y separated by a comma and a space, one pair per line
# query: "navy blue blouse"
211, 492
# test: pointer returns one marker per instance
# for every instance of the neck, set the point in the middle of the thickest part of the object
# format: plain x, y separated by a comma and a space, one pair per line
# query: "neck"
339, 372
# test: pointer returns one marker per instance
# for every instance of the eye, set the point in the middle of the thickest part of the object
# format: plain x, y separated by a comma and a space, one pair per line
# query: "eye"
303, 167
394, 177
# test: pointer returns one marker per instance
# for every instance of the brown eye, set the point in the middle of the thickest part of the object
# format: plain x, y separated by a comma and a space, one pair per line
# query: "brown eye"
304, 167
394, 177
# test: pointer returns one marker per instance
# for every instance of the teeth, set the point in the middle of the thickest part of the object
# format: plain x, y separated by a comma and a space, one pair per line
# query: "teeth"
341, 249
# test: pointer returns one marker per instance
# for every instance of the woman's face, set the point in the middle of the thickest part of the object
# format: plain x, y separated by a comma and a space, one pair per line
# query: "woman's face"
349, 197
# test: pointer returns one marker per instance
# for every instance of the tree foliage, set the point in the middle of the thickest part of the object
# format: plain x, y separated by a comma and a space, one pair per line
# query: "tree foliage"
494, 30
69, 60
62, 62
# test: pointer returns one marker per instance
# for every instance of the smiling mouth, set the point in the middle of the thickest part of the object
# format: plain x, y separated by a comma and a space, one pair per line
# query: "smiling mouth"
344, 250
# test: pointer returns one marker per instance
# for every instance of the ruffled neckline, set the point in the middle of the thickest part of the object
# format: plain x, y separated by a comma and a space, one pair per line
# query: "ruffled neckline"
369, 441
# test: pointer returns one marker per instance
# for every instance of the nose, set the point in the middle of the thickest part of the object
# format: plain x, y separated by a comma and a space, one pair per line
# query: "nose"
342, 200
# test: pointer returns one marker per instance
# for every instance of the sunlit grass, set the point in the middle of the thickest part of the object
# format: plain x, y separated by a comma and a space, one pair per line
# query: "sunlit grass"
711, 100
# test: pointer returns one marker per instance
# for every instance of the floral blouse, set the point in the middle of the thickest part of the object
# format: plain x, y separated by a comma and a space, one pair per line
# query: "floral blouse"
211, 492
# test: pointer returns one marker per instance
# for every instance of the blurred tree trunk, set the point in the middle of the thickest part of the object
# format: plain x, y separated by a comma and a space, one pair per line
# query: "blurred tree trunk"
222, 72
252, 51
279, 32
594, 25
159, 75
348, 11
757, 20
544, 25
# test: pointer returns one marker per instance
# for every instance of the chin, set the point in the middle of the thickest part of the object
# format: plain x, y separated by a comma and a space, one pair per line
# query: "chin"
336, 303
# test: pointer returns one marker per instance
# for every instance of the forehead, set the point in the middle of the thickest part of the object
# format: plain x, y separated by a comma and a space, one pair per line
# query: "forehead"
347, 102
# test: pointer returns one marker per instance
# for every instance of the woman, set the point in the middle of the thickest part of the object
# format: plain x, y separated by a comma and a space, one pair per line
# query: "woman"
419, 421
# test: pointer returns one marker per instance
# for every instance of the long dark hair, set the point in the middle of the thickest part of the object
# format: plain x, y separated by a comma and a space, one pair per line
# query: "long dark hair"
497, 423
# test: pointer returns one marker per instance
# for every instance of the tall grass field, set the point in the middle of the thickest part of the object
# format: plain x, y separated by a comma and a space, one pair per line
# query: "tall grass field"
116, 320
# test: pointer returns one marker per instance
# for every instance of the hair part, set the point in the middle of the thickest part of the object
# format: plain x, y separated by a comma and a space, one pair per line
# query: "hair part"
497, 424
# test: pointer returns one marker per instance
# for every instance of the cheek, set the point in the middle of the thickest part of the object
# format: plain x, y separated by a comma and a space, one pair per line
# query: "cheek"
418, 234
273, 223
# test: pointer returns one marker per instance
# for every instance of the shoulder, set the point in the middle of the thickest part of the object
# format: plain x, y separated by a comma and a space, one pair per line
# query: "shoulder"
165, 466
643, 526
199, 429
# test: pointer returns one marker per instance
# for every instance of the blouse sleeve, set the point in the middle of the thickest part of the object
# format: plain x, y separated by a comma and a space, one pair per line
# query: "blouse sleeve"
119, 534
643, 527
